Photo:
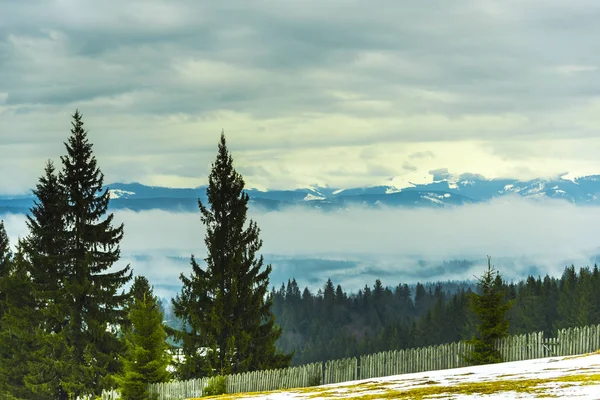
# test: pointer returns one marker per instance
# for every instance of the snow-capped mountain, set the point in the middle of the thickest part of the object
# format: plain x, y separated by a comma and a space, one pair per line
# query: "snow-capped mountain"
580, 190
439, 190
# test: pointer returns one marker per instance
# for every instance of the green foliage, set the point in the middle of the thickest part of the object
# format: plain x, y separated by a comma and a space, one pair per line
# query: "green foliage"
490, 307
216, 386
363, 323
16, 327
44, 249
225, 306
567, 302
314, 379
146, 359
93, 249
67, 295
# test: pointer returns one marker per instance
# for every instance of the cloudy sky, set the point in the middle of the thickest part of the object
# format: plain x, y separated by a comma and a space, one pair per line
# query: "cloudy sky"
331, 92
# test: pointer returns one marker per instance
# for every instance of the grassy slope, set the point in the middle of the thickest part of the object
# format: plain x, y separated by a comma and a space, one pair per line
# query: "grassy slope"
558, 377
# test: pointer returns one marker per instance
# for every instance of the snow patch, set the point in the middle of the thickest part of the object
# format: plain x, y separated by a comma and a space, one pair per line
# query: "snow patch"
409, 180
433, 199
536, 189
553, 368
315, 190
311, 197
571, 177
118, 193
337, 191
391, 190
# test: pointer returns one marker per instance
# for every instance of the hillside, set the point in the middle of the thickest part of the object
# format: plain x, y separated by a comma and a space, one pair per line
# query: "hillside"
574, 377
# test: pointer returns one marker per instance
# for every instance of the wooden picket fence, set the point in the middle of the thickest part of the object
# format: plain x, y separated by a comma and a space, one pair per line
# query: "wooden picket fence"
286, 378
568, 342
178, 389
398, 362
337, 371
256, 381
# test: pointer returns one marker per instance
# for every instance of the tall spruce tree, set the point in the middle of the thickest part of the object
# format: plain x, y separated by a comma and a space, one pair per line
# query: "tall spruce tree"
46, 244
146, 359
226, 307
90, 289
44, 249
490, 308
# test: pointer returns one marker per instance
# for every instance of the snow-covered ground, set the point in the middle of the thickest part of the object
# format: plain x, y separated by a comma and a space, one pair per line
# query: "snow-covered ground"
575, 377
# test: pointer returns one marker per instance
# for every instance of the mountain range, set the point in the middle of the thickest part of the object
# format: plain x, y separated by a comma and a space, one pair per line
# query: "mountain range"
444, 190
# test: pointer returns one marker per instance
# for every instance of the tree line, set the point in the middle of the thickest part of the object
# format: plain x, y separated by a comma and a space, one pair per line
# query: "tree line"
68, 326
333, 324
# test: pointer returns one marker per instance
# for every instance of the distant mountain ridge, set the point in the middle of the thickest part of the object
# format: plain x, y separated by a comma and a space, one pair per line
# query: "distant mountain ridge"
443, 191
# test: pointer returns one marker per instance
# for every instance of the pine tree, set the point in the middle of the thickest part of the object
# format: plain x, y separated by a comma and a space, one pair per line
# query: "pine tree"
46, 244
422, 300
584, 294
567, 301
550, 302
595, 313
44, 249
226, 307
91, 291
490, 308
140, 288
328, 299
147, 359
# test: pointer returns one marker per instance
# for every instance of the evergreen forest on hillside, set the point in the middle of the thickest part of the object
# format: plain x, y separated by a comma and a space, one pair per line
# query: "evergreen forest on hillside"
332, 324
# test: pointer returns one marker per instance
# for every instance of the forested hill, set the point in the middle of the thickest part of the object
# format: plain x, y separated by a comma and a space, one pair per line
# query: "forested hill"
333, 324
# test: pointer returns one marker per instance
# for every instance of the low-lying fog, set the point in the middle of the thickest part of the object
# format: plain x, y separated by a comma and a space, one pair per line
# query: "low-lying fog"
358, 245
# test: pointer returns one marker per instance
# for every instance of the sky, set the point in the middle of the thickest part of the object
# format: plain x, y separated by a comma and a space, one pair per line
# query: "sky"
342, 93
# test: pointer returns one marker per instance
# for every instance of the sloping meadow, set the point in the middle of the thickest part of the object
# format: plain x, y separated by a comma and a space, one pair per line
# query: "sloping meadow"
573, 377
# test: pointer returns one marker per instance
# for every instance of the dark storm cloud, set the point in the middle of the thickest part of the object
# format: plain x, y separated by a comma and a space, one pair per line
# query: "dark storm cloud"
497, 56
